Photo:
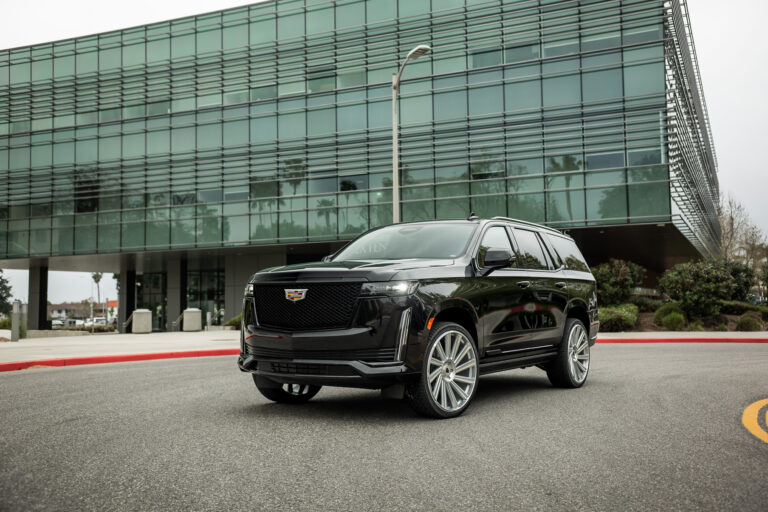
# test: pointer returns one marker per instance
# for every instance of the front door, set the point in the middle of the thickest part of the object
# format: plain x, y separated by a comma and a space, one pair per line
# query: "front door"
504, 320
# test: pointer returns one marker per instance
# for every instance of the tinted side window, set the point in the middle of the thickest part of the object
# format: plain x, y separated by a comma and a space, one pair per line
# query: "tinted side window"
495, 238
531, 254
569, 253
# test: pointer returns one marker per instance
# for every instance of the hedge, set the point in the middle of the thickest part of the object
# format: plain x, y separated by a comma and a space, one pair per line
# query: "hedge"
617, 318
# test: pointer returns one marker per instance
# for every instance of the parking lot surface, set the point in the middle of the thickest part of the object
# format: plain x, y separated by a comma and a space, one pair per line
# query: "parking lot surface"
657, 426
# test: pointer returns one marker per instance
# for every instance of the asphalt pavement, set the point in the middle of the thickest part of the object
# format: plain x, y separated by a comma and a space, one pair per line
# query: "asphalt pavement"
656, 427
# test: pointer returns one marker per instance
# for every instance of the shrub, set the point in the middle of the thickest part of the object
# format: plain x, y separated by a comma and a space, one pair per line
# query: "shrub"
615, 280
749, 323
698, 286
669, 307
720, 327
734, 307
5, 323
87, 328
235, 321
743, 278
617, 318
646, 304
674, 321
696, 325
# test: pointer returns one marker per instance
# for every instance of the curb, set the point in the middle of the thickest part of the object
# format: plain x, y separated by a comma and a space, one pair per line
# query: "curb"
682, 340
122, 358
118, 358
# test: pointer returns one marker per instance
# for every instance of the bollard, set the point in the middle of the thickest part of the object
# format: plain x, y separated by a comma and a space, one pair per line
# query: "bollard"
15, 320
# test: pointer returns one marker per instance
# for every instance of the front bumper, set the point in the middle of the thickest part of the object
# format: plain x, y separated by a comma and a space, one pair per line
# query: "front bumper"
324, 372
369, 353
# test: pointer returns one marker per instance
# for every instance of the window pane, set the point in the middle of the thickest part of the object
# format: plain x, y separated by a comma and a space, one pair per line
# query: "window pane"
523, 95
561, 90
518, 53
450, 105
350, 14
530, 254
263, 31
565, 205
644, 79
495, 238
319, 20
486, 100
290, 26
483, 58
528, 207
607, 203
602, 85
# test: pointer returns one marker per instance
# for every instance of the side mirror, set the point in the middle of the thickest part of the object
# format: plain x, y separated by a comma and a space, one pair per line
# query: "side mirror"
498, 258
326, 259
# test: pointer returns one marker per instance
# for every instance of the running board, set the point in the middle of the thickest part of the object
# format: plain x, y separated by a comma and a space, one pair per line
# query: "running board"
517, 362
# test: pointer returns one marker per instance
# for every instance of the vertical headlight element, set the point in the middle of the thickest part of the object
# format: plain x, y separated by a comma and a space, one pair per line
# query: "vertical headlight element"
248, 290
402, 338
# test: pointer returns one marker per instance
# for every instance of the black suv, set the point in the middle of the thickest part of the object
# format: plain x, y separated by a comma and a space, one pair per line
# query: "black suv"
421, 310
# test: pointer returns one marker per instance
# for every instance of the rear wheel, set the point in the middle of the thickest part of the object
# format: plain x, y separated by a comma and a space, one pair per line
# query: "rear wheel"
289, 393
571, 367
449, 375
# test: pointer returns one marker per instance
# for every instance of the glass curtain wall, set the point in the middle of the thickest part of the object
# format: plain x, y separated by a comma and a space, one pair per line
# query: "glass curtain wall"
271, 123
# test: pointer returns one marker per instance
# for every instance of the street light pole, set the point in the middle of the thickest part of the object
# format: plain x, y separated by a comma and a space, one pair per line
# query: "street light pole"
412, 55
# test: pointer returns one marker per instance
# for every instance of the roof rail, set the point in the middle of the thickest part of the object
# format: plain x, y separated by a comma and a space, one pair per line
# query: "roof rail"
526, 223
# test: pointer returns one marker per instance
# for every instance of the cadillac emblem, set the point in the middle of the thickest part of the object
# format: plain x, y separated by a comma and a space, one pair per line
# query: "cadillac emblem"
295, 295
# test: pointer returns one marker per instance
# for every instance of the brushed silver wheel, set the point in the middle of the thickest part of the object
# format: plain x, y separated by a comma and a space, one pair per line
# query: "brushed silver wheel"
452, 371
578, 353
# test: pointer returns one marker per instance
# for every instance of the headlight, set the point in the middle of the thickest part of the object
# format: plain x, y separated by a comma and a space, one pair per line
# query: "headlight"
248, 290
390, 288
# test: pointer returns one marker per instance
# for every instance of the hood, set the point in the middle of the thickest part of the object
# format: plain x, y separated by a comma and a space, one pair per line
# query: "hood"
357, 270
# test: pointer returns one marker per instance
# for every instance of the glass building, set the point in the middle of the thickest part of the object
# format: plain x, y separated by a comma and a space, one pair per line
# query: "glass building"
187, 154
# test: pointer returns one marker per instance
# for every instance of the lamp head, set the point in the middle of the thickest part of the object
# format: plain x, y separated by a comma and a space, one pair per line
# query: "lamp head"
418, 51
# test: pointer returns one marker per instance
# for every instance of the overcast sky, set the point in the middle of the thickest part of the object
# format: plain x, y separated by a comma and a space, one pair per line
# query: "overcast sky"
730, 41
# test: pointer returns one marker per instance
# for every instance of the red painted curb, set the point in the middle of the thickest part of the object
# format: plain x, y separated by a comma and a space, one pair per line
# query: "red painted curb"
121, 358
682, 340
118, 358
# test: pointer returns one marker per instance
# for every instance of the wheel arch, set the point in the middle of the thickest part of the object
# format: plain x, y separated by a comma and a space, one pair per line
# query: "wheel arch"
578, 309
461, 313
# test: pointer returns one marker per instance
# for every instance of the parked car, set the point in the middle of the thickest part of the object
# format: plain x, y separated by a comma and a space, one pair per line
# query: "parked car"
422, 310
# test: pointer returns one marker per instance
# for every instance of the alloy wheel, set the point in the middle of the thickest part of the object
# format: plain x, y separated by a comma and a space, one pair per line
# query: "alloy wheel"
452, 371
578, 353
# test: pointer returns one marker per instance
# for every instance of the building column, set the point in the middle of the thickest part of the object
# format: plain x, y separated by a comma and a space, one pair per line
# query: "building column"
176, 288
37, 314
127, 296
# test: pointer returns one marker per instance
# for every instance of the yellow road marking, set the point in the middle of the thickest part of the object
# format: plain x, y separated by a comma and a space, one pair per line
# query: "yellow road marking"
749, 419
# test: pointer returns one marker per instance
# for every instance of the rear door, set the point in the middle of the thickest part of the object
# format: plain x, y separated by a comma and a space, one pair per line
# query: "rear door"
544, 290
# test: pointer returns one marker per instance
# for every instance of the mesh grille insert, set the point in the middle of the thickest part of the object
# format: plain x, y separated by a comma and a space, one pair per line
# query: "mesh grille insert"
324, 306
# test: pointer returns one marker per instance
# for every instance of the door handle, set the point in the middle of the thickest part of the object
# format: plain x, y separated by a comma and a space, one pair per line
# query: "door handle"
523, 284
560, 284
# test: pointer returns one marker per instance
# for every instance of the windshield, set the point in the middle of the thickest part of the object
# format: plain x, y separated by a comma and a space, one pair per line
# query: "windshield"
410, 241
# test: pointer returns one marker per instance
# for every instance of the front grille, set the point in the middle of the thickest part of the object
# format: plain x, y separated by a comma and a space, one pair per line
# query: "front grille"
369, 355
305, 369
324, 306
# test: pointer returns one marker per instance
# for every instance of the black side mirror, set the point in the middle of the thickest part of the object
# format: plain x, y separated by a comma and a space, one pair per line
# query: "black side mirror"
498, 258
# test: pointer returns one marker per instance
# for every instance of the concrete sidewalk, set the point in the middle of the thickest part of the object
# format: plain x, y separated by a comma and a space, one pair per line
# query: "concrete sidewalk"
116, 344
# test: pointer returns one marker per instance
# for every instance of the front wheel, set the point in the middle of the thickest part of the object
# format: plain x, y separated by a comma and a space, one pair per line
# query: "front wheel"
449, 374
288, 393
571, 367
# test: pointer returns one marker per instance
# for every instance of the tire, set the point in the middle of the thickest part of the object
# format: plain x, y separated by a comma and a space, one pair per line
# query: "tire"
449, 376
571, 367
289, 393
